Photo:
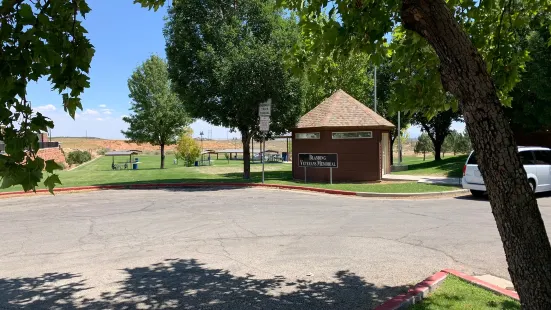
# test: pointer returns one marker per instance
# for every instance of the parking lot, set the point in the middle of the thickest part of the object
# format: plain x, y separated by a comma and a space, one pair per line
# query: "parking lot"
235, 248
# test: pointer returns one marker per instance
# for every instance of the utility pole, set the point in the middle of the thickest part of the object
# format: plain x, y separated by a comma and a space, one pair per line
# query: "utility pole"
375, 93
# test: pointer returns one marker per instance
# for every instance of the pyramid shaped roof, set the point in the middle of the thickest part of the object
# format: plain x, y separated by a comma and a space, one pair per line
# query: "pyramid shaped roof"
342, 110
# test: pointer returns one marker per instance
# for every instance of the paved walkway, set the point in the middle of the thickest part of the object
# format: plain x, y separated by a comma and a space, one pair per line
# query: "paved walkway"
422, 179
235, 248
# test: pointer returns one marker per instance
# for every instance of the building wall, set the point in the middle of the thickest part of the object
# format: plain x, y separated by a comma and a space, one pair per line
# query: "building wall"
52, 153
359, 159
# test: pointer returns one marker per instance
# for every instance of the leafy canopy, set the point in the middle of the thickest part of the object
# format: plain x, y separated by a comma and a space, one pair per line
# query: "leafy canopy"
531, 108
494, 26
158, 116
40, 39
226, 57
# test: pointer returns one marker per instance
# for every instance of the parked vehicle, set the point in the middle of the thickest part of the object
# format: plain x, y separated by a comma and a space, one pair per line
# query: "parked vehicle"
536, 161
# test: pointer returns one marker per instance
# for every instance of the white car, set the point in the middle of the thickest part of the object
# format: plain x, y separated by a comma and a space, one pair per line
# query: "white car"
536, 161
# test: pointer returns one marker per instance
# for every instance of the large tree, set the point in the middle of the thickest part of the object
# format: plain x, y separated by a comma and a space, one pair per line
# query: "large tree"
437, 127
158, 116
226, 57
470, 39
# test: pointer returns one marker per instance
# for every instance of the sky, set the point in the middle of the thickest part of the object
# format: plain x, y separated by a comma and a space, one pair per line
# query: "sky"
124, 35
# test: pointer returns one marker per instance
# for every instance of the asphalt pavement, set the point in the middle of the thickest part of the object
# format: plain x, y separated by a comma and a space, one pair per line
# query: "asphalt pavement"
235, 248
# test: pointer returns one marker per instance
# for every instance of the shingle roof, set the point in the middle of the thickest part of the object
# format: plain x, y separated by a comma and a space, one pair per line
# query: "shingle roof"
342, 110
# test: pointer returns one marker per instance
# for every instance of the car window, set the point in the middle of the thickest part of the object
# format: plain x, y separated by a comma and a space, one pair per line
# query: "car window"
526, 157
472, 160
543, 157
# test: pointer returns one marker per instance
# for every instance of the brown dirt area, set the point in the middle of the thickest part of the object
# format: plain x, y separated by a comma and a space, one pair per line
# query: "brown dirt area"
94, 144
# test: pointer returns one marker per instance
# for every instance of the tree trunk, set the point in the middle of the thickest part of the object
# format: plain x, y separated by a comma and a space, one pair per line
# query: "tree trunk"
424, 155
162, 156
437, 150
514, 206
246, 140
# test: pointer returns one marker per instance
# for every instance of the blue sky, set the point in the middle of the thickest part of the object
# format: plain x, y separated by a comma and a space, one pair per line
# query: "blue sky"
124, 35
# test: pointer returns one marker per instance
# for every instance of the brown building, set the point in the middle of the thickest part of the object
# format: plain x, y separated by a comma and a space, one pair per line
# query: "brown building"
343, 125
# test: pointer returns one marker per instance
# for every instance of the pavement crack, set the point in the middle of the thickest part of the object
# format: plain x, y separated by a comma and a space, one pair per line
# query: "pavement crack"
399, 209
422, 230
245, 229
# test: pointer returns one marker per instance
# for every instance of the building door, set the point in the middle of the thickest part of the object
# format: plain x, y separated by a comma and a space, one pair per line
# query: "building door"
385, 153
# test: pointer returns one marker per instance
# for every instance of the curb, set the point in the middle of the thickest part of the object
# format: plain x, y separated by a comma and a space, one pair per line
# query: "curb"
483, 284
415, 294
414, 195
422, 289
244, 185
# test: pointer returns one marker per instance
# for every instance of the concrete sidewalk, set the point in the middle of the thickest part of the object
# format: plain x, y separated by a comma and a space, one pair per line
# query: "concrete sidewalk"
423, 179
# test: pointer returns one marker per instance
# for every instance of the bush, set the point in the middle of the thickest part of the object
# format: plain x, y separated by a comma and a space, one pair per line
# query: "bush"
78, 157
188, 149
101, 151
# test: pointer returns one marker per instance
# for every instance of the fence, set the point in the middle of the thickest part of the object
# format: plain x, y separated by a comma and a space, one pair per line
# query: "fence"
41, 145
46, 145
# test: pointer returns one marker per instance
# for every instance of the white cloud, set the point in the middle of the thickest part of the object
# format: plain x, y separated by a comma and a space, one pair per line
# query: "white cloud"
107, 111
90, 112
99, 119
102, 106
45, 108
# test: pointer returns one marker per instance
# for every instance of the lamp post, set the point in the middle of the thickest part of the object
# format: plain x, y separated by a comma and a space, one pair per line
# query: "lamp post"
201, 134
375, 92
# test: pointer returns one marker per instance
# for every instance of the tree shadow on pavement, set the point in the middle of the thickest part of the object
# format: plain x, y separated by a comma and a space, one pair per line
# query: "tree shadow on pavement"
188, 284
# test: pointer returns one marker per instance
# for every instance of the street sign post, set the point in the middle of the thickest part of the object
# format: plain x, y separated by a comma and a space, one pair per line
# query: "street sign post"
265, 108
264, 112
317, 160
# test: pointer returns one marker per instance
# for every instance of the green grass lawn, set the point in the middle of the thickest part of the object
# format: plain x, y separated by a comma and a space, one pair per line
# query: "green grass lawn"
451, 166
455, 294
99, 172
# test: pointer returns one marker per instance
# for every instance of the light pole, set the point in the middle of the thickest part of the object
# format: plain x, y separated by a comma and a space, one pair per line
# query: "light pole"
201, 134
375, 92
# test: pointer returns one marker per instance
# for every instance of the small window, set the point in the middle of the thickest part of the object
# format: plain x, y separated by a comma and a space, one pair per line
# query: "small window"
472, 160
353, 135
307, 135
526, 157
542, 157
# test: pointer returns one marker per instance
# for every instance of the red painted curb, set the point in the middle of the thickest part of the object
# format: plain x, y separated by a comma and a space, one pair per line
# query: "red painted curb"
183, 185
414, 294
421, 290
483, 284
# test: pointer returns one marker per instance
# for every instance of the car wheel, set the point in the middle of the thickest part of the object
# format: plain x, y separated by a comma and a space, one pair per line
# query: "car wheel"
477, 193
532, 185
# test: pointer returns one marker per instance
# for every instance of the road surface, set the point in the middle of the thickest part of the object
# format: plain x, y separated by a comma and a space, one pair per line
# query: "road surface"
234, 248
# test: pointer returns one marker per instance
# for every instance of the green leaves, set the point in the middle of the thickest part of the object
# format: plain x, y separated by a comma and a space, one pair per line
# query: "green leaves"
151, 4
51, 182
44, 39
26, 14
70, 105
158, 115
51, 165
